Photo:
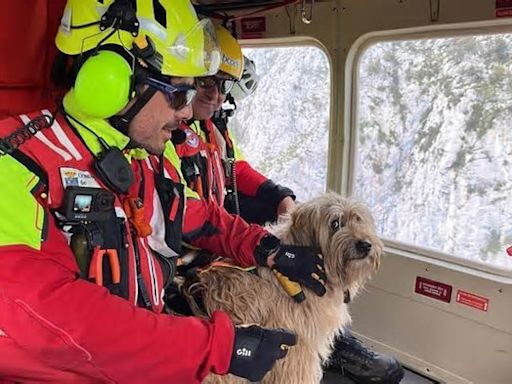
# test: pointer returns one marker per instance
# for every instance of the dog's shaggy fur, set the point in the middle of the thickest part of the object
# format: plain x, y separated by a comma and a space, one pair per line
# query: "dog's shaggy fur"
343, 230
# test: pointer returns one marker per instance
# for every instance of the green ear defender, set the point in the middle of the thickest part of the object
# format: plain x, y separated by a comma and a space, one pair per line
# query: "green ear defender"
104, 84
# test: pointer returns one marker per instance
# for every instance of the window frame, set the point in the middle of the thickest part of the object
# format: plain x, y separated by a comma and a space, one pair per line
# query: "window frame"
353, 60
301, 41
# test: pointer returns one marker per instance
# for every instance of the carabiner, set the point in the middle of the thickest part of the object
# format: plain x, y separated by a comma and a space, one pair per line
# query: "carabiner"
307, 19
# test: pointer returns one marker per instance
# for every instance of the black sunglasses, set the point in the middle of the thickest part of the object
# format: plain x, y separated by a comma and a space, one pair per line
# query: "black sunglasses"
178, 96
223, 85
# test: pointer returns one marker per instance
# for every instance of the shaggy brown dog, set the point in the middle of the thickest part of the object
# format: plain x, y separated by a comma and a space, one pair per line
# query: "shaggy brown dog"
343, 230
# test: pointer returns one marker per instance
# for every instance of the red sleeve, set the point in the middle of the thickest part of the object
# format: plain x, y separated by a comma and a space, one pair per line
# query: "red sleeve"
248, 180
210, 227
75, 326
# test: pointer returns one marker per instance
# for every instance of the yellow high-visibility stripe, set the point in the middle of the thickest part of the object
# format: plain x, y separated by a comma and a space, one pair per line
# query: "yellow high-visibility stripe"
22, 216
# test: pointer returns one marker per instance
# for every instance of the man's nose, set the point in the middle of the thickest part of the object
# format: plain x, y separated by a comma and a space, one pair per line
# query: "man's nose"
185, 113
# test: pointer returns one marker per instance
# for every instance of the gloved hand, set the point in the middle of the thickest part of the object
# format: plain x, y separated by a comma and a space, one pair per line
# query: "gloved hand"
300, 264
303, 265
257, 349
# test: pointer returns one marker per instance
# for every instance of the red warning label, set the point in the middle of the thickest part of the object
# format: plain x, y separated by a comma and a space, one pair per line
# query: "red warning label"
503, 8
472, 300
433, 289
253, 27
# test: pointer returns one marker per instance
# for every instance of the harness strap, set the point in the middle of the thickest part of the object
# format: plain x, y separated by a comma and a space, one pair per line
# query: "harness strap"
221, 122
204, 128
31, 165
225, 264
232, 202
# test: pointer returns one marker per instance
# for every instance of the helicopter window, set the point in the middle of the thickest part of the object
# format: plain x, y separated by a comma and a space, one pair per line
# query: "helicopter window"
433, 144
283, 127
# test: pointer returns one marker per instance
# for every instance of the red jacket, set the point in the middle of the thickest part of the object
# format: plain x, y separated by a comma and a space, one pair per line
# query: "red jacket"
205, 151
204, 143
55, 326
202, 165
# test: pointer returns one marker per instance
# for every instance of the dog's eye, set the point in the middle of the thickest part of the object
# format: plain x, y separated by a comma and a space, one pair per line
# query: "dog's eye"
335, 225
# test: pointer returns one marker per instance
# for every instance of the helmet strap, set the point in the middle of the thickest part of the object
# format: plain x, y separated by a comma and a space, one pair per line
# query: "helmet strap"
121, 122
231, 100
120, 15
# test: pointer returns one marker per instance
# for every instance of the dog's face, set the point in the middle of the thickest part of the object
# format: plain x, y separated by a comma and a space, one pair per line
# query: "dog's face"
343, 230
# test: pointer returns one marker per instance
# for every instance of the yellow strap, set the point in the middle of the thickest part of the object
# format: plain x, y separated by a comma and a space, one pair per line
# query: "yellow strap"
225, 264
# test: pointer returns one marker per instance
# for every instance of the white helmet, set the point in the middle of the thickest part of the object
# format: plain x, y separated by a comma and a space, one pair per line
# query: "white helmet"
248, 83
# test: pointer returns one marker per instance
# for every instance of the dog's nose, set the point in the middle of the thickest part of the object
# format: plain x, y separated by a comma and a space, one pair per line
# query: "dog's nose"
363, 247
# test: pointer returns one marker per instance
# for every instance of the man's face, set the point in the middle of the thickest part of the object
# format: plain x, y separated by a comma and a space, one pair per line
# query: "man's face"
152, 127
208, 99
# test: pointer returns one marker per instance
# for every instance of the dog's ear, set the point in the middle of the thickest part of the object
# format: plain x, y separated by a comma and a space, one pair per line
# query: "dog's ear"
303, 228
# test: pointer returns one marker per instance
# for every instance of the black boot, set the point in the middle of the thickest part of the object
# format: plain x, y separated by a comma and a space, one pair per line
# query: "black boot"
363, 366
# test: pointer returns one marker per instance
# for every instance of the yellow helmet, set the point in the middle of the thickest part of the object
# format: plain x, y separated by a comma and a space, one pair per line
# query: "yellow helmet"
232, 61
179, 44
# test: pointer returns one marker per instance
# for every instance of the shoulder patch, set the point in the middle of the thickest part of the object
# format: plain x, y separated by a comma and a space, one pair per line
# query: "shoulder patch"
192, 138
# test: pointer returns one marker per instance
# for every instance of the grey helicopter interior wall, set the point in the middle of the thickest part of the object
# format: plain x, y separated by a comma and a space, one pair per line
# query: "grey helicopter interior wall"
448, 342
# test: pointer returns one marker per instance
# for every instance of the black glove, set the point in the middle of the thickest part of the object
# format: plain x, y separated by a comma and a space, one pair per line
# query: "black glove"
303, 265
257, 349
300, 264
